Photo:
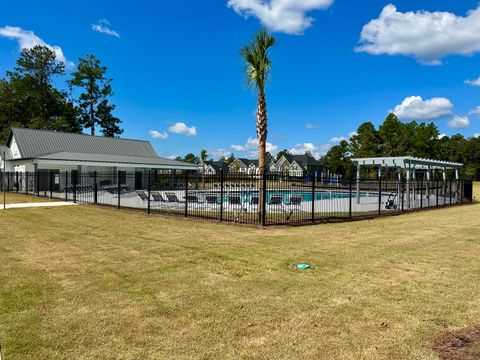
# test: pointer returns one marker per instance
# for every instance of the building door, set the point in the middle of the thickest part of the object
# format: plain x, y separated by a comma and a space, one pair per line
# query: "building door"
138, 180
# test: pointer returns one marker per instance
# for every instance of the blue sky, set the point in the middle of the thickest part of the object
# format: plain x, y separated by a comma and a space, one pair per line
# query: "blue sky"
177, 62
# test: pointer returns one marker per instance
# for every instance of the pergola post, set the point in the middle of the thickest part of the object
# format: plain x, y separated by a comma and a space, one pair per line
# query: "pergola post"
379, 189
399, 183
358, 183
408, 187
428, 187
414, 187
444, 192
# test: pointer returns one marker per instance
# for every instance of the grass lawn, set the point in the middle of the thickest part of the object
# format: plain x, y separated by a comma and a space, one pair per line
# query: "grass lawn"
14, 198
93, 283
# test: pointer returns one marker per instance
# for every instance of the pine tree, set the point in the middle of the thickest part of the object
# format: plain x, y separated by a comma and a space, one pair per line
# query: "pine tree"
95, 109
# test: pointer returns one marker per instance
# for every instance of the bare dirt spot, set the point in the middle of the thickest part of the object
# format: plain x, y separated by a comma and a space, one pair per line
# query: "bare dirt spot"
459, 345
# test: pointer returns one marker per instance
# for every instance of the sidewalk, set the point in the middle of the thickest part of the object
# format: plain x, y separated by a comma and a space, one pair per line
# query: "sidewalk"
38, 204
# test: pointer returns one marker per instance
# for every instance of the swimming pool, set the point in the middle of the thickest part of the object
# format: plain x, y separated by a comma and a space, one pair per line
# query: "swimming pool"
306, 196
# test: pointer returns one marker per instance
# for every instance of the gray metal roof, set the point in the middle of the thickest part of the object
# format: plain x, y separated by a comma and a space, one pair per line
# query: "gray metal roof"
34, 143
58, 146
154, 162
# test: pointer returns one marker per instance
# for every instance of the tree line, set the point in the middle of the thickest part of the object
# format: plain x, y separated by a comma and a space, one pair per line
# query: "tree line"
396, 138
31, 95
392, 138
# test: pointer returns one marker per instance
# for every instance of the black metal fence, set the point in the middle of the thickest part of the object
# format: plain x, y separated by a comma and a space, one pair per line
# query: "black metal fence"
237, 197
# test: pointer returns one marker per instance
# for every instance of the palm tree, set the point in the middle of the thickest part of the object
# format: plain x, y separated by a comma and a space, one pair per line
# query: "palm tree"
203, 158
257, 72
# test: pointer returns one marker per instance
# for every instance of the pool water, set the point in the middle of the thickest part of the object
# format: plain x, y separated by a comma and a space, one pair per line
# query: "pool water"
306, 195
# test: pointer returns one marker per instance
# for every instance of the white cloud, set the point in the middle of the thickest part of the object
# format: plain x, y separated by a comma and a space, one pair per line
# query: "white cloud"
251, 148
475, 111
477, 135
426, 36
475, 82
158, 135
441, 136
27, 40
417, 109
218, 153
459, 122
238, 147
288, 16
103, 28
338, 139
352, 134
316, 151
182, 129
172, 157
312, 126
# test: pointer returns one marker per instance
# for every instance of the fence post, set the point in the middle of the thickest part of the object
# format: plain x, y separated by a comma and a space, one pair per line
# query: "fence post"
50, 183
313, 199
149, 190
74, 181
16, 181
186, 193
350, 188
264, 197
37, 175
421, 192
26, 182
95, 188
379, 195
66, 186
402, 187
8, 181
119, 188
437, 193
221, 195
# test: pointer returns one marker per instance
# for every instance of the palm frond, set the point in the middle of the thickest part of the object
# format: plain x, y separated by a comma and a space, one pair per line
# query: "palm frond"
257, 60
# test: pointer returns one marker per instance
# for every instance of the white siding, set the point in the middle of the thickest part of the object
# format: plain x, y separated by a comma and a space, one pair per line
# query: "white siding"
14, 149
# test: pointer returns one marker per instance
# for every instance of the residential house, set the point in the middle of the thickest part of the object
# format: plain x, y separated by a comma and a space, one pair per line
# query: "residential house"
213, 167
247, 166
298, 165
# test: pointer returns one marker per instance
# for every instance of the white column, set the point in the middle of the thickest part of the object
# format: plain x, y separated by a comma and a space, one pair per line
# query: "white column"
399, 184
414, 187
444, 175
457, 174
428, 186
380, 182
358, 184
408, 187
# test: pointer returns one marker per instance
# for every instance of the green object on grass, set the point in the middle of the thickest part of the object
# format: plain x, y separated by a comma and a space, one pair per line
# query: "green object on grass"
303, 266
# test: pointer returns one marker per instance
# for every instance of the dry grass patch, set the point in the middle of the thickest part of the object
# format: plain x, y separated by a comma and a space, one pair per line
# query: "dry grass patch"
87, 282
14, 198
476, 191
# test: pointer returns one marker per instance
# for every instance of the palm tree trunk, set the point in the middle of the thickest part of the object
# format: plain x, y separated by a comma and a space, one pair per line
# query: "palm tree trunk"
262, 132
